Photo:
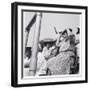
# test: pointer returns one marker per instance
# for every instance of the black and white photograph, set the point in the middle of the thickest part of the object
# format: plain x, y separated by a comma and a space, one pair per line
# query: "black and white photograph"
51, 43
54, 48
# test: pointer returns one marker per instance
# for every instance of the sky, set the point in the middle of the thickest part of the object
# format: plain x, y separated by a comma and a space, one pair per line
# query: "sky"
61, 21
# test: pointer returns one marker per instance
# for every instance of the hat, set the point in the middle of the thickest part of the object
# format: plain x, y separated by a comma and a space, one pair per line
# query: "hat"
65, 31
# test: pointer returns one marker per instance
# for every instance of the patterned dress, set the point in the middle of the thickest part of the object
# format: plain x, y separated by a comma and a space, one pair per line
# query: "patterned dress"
60, 64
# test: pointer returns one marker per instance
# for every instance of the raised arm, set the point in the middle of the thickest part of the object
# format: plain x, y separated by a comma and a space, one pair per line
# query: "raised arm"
58, 40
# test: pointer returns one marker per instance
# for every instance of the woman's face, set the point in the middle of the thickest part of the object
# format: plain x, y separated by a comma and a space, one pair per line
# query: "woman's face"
40, 48
65, 35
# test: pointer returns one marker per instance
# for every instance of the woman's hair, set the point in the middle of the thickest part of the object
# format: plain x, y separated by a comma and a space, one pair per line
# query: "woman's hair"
28, 52
41, 48
60, 32
78, 30
70, 29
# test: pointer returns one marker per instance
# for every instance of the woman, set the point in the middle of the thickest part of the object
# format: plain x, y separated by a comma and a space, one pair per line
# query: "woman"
60, 64
27, 57
41, 62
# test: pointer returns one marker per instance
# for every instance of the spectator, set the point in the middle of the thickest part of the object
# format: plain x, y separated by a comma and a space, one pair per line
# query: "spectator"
61, 63
41, 63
